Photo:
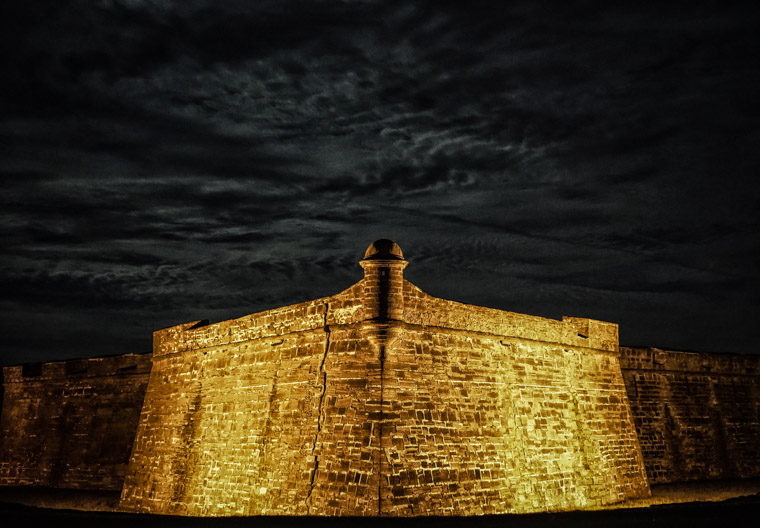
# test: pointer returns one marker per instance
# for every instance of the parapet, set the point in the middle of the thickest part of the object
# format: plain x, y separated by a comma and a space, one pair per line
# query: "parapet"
384, 297
79, 368
383, 400
659, 359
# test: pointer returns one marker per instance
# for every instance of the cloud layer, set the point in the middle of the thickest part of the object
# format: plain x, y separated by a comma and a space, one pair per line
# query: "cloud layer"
163, 162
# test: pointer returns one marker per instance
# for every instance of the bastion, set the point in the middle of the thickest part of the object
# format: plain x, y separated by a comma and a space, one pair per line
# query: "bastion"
383, 400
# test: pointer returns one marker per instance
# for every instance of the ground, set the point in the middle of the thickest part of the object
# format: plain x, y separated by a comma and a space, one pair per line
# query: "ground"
726, 503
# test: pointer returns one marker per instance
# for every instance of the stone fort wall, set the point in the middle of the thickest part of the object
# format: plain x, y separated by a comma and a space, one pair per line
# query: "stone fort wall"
383, 400
233, 412
71, 424
532, 411
697, 414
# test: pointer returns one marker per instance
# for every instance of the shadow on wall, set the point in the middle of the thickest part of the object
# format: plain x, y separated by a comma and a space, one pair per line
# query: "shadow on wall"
71, 424
697, 415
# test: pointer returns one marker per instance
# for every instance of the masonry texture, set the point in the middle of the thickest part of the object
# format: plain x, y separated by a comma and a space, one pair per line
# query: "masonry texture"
70, 424
381, 400
697, 415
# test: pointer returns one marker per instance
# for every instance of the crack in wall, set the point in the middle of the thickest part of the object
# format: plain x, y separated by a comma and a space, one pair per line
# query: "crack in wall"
380, 443
320, 410
384, 316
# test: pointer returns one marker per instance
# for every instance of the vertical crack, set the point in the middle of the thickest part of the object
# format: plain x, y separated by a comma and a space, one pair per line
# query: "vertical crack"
380, 429
384, 317
319, 411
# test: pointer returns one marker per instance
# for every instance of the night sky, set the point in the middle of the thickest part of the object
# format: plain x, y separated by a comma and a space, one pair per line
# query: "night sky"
168, 161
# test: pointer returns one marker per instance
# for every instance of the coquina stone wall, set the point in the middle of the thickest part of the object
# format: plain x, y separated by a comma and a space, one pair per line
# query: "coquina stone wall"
234, 416
71, 424
383, 400
697, 414
491, 411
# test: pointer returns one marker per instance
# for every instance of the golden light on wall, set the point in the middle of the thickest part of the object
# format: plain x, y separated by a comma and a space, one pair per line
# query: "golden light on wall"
383, 400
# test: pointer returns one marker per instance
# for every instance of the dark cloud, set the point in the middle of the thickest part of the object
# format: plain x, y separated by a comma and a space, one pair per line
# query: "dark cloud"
165, 161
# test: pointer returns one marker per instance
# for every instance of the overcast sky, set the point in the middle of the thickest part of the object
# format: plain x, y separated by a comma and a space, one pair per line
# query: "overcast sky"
168, 161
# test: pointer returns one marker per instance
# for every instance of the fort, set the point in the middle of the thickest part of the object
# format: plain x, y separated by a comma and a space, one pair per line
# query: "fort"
381, 400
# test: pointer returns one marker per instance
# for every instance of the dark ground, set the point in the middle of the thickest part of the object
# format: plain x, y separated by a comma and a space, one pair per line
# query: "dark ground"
743, 511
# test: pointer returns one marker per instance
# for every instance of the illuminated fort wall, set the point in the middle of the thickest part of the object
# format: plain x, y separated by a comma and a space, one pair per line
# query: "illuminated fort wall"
236, 414
697, 414
71, 424
383, 400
